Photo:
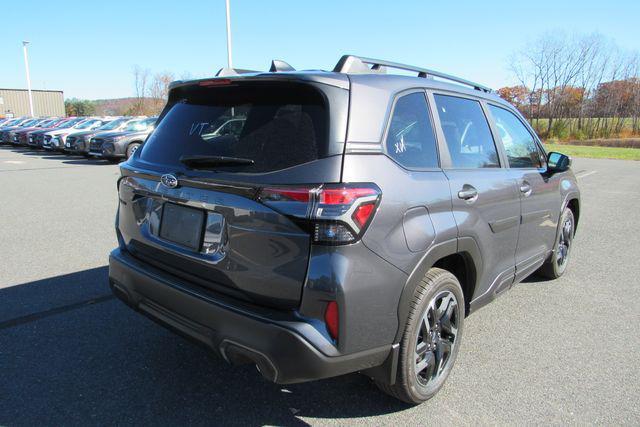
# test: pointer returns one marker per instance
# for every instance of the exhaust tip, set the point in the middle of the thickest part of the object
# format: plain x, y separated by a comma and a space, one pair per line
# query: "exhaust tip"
120, 292
238, 354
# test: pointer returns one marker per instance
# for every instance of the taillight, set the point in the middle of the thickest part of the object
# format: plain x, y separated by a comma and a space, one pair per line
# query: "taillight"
332, 319
336, 214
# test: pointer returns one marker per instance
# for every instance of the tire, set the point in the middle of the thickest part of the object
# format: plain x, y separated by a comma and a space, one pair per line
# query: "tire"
132, 149
556, 264
424, 338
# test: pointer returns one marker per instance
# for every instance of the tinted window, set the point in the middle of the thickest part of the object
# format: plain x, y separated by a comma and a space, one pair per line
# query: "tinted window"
70, 123
112, 124
410, 140
275, 126
466, 132
518, 142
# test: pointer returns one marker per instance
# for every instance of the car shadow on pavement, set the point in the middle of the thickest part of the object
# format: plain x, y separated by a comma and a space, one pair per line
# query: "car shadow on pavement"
72, 354
535, 278
39, 153
63, 157
90, 162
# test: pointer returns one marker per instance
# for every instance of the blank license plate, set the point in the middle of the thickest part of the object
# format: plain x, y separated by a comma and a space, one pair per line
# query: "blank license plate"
182, 225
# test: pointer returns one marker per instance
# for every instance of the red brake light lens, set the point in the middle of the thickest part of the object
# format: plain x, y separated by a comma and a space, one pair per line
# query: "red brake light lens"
343, 196
286, 194
331, 319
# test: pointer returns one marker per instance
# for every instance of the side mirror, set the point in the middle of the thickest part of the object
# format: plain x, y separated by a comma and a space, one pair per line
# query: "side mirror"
558, 162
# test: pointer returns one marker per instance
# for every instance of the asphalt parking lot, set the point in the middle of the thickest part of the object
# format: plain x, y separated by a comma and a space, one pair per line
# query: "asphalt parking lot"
566, 351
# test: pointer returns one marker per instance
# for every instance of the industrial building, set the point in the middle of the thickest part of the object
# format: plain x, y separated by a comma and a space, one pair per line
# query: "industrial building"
15, 103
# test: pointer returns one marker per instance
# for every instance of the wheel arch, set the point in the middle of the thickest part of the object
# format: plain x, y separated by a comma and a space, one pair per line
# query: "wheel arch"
129, 144
574, 205
135, 141
461, 257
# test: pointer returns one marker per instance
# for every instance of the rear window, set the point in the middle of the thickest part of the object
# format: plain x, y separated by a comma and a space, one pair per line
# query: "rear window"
275, 125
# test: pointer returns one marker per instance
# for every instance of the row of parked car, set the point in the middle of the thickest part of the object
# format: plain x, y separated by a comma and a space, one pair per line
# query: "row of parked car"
111, 138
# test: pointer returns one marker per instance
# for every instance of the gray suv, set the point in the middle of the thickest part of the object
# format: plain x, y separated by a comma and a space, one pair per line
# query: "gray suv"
79, 143
115, 146
350, 222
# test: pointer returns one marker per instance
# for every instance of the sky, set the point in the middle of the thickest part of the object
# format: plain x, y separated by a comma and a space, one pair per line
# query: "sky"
89, 49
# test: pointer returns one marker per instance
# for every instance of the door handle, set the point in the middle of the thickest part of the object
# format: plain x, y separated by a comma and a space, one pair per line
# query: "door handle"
525, 188
468, 193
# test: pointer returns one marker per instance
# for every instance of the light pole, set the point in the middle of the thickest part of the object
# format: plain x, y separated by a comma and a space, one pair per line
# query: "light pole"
26, 65
229, 62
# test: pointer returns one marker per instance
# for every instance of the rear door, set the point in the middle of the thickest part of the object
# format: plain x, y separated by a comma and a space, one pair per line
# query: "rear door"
540, 196
188, 208
485, 199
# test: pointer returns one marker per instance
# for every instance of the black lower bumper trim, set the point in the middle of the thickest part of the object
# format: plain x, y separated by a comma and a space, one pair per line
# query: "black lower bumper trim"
281, 353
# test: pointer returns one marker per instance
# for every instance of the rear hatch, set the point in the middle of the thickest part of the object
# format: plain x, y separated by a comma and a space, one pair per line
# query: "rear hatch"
190, 197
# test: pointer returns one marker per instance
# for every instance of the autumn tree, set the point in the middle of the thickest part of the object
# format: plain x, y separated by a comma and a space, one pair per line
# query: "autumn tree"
516, 95
159, 91
151, 91
79, 107
580, 85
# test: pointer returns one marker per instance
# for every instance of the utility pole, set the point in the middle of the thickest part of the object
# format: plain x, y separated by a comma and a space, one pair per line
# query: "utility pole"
229, 61
26, 64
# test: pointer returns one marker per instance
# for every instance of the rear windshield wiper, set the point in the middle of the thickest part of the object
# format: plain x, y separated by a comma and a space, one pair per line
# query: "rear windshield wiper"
203, 161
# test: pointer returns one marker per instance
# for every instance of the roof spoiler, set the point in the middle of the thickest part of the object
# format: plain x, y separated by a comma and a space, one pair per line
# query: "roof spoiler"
277, 66
226, 72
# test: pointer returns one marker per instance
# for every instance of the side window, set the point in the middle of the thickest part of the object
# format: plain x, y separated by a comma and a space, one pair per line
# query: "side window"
411, 141
466, 132
518, 142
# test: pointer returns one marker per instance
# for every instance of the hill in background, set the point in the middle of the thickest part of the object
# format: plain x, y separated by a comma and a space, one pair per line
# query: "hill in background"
117, 106
131, 106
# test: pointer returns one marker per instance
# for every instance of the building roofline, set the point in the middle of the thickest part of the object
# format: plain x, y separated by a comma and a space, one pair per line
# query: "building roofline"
32, 90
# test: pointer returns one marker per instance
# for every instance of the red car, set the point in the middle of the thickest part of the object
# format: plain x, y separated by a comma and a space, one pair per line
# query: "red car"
21, 137
36, 138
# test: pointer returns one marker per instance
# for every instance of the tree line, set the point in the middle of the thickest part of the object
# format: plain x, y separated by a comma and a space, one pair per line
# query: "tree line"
151, 91
569, 87
577, 87
150, 95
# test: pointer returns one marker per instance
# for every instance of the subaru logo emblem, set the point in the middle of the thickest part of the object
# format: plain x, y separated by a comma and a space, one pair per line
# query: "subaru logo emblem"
169, 180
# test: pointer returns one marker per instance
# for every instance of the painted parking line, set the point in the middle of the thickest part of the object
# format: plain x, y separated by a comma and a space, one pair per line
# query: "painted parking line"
582, 175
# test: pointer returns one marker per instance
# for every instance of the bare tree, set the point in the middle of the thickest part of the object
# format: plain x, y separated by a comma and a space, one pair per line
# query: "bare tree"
159, 91
141, 87
569, 79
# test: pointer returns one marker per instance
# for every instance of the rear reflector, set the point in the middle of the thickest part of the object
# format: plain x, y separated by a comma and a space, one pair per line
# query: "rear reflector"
336, 214
331, 319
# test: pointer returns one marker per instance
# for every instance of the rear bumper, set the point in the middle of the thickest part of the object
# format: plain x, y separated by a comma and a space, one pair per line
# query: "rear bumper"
279, 348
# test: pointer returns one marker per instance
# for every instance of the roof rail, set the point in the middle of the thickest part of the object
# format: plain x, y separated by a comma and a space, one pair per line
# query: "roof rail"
358, 64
